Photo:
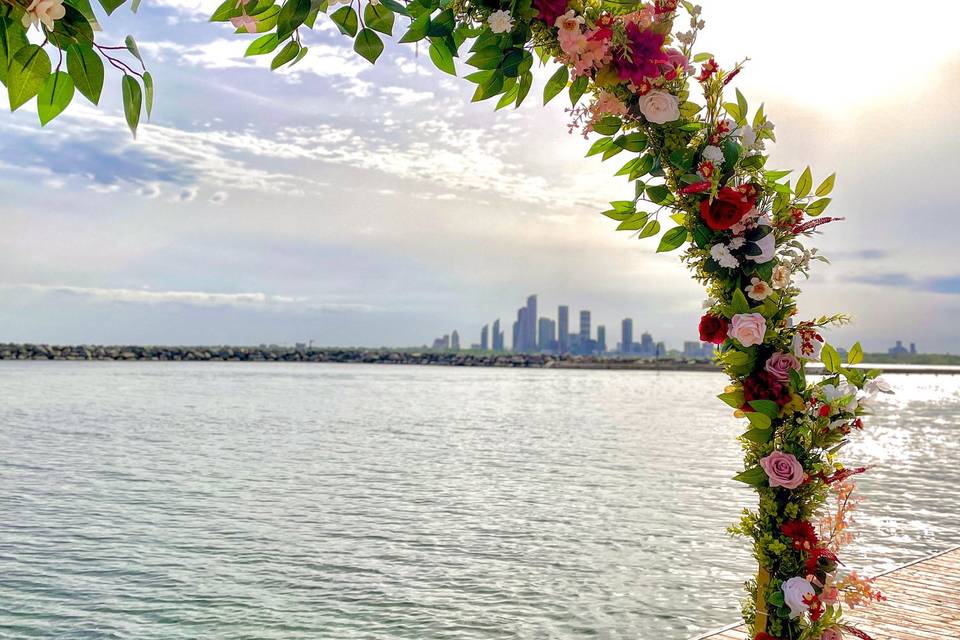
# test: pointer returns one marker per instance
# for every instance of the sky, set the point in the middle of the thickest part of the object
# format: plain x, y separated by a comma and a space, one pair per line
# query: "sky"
361, 205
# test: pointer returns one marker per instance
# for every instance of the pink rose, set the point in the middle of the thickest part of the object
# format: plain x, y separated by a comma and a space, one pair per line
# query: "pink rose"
783, 470
748, 328
833, 633
779, 366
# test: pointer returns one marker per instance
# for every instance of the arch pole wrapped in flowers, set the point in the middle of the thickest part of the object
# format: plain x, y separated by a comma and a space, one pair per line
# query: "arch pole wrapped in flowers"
696, 162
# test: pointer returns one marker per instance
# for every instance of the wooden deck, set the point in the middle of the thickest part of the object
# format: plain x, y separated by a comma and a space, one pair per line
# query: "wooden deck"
923, 604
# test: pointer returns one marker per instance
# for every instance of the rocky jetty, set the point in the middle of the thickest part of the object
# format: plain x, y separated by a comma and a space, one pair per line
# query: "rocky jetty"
369, 356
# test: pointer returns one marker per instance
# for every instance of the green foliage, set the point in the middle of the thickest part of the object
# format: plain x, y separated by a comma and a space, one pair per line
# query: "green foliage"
28, 69
293, 13
132, 102
672, 239
379, 18
830, 358
55, 94
368, 45
346, 20
555, 84
441, 57
86, 69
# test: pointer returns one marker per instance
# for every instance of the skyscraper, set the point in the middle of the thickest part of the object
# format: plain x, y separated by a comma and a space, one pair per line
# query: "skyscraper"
584, 327
497, 336
647, 347
529, 325
563, 328
626, 335
485, 337
546, 331
455, 340
601, 338
515, 343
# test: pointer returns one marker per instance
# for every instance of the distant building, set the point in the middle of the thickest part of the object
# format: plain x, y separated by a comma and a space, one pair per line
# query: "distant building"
647, 347
455, 340
515, 343
898, 349
563, 329
913, 348
497, 337
546, 334
442, 343
626, 335
585, 331
485, 337
661, 349
529, 327
697, 350
601, 339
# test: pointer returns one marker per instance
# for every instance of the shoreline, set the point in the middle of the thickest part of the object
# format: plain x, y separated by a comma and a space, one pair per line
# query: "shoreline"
138, 353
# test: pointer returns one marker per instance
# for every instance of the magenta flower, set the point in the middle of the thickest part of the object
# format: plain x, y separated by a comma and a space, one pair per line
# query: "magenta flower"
644, 58
550, 10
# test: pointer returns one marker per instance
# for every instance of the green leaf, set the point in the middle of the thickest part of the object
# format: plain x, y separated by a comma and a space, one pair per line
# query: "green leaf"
418, 29
288, 53
132, 47
227, 9
734, 111
607, 126
759, 420
804, 184
555, 84
635, 142
635, 222
742, 104
652, 229
395, 6
132, 102
346, 20
759, 436
378, 18
111, 5
515, 62
826, 186
577, 89
490, 87
292, 14
766, 407
830, 358
29, 68
55, 94
369, 45
817, 207
263, 45
659, 193
739, 302
599, 146
733, 398
12, 37
754, 476
672, 239
523, 86
442, 57
442, 24
487, 58
855, 355
86, 69
148, 92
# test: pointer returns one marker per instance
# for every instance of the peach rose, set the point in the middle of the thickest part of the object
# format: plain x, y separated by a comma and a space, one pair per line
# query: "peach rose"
748, 328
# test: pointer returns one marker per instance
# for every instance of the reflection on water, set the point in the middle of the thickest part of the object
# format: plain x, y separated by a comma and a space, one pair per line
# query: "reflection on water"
163, 500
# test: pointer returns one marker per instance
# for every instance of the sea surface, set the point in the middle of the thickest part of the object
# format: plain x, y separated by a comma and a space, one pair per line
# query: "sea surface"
348, 502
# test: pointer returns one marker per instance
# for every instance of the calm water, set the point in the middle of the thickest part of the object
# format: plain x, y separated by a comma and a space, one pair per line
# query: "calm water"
167, 500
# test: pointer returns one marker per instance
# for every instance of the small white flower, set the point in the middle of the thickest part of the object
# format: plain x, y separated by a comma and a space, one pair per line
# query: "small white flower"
43, 11
781, 277
713, 154
709, 302
844, 396
737, 242
723, 257
500, 21
877, 385
748, 137
758, 289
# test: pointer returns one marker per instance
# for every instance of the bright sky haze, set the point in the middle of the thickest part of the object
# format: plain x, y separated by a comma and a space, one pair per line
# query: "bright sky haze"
375, 205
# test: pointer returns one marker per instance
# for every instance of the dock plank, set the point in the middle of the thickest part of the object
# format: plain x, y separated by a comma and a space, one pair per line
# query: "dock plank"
923, 603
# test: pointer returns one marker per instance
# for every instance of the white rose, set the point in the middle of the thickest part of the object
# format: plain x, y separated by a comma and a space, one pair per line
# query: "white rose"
794, 591
713, 154
747, 136
660, 107
45, 11
500, 21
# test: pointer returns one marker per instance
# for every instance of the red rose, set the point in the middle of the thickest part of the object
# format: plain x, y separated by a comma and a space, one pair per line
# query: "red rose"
763, 386
726, 210
713, 328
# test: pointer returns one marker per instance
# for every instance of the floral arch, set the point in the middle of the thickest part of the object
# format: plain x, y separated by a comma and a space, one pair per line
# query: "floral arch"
696, 160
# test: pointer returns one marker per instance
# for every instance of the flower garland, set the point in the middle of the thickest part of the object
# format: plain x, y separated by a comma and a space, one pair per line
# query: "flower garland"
699, 162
